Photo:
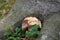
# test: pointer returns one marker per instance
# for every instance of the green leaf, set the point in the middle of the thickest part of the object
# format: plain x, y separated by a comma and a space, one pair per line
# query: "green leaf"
13, 38
17, 35
35, 27
28, 34
34, 31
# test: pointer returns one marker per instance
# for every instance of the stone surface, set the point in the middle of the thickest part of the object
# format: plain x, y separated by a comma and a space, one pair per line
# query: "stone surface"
51, 28
50, 9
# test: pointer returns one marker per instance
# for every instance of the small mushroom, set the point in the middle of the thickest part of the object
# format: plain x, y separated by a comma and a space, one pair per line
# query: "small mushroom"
29, 21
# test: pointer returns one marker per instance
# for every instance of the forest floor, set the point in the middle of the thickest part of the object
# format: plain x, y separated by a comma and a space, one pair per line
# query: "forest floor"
5, 6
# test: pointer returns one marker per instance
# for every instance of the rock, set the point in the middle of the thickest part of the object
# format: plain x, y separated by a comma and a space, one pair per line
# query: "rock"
25, 7
50, 10
51, 28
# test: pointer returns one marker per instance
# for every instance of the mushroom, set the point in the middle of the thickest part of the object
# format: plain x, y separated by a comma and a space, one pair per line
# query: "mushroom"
29, 21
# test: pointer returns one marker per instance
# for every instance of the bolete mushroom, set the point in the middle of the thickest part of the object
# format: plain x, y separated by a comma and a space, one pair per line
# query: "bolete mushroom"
29, 21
